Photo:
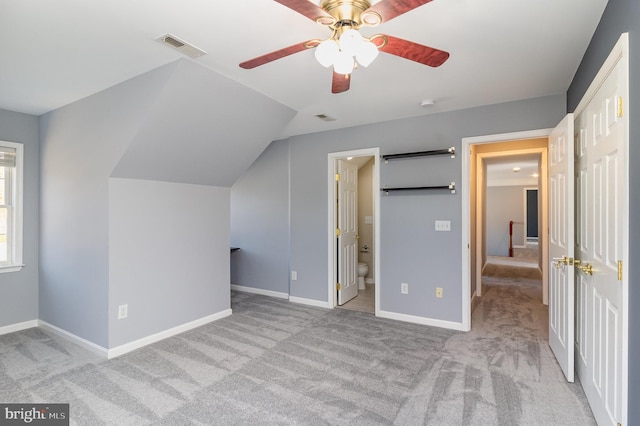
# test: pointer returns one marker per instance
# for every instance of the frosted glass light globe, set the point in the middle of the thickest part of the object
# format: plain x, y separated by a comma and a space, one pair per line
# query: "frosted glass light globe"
350, 42
326, 52
343, 64
367, 53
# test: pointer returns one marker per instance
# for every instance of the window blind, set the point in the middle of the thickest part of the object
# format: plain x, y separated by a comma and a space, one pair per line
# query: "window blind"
7, 157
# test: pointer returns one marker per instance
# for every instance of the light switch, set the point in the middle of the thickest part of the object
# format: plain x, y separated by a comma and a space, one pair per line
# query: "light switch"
368, 220
443, 225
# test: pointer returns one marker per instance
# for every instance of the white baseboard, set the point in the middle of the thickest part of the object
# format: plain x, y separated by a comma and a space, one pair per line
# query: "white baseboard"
84, 343
369, 280
310, 302
18, 327
137, 344
420, 320
260, 291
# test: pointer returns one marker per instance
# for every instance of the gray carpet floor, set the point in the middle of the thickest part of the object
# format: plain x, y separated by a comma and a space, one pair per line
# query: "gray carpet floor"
277, 363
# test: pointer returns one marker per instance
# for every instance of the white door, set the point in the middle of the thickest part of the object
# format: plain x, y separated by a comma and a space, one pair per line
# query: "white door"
602, 224
347, 231
561, 245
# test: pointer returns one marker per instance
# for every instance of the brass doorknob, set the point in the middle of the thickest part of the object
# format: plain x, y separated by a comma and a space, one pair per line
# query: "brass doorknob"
559, 262
587, 268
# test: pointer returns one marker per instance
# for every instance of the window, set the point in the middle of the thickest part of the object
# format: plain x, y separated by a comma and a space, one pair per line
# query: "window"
10, 206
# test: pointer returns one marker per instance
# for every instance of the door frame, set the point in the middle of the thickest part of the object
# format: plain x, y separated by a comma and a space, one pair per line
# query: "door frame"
332, 253
465, 192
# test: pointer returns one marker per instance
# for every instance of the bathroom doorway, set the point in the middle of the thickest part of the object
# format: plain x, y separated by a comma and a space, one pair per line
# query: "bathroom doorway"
353, 230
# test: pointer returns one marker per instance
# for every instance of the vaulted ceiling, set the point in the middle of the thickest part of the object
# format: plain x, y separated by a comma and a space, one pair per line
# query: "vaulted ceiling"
56, 52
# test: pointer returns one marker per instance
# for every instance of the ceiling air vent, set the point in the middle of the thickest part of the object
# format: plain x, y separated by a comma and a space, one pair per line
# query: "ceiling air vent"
181, 46
325, 117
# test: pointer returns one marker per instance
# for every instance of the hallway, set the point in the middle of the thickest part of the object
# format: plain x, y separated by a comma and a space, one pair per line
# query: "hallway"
509, 340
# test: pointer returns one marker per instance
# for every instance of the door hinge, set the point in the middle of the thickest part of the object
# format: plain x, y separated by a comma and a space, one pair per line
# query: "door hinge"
337, 232
619, 270
337, 177
338, 286
620, 107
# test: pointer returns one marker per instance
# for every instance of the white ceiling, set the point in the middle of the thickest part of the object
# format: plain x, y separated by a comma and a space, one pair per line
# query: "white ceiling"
56, 52
500, 170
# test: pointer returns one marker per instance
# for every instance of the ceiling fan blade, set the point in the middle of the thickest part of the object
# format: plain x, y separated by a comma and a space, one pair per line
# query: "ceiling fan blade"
413, 51
310, 10
278, 54
389, 9
340, 82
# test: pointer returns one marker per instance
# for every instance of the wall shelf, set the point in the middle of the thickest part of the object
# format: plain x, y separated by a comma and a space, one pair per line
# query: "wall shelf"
451, 187
451, 151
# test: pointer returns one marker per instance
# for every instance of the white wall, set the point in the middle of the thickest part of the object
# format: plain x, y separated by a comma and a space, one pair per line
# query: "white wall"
168, 255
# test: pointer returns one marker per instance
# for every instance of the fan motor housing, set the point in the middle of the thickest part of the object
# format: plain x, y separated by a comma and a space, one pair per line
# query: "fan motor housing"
346, 10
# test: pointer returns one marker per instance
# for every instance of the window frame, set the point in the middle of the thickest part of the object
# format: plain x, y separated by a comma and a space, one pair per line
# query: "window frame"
15, 229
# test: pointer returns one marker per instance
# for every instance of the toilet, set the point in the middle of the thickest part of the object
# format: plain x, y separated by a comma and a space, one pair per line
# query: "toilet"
363, 268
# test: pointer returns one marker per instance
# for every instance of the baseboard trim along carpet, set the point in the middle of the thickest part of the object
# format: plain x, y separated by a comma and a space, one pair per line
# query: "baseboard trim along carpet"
84, 343
421, 320
310, 302
18, 327
140, 343
136, 344
260, 291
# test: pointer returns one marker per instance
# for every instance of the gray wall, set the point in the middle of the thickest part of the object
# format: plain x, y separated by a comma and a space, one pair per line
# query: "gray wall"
622, 16
81, 144
411, 251
504, 203
168, 255
171, 124
260, 222
19, 301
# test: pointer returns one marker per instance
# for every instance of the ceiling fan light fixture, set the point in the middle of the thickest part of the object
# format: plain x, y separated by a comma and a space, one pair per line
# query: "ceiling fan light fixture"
326, 52
351, 42
367, 54
346, 48
343, 63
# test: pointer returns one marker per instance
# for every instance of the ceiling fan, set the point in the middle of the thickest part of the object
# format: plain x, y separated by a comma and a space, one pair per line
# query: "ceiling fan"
346, 48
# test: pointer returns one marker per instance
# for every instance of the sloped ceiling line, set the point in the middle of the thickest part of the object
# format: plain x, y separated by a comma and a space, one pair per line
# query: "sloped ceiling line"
203, 129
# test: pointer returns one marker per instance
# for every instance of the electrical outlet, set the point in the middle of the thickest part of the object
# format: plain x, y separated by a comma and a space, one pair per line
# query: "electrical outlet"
123, 311
439, 292
404, 288
294, 275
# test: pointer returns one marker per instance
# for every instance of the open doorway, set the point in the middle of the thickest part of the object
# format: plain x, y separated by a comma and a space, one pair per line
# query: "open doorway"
510, 224
512, 258
477, 154
499, 216
353, 230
